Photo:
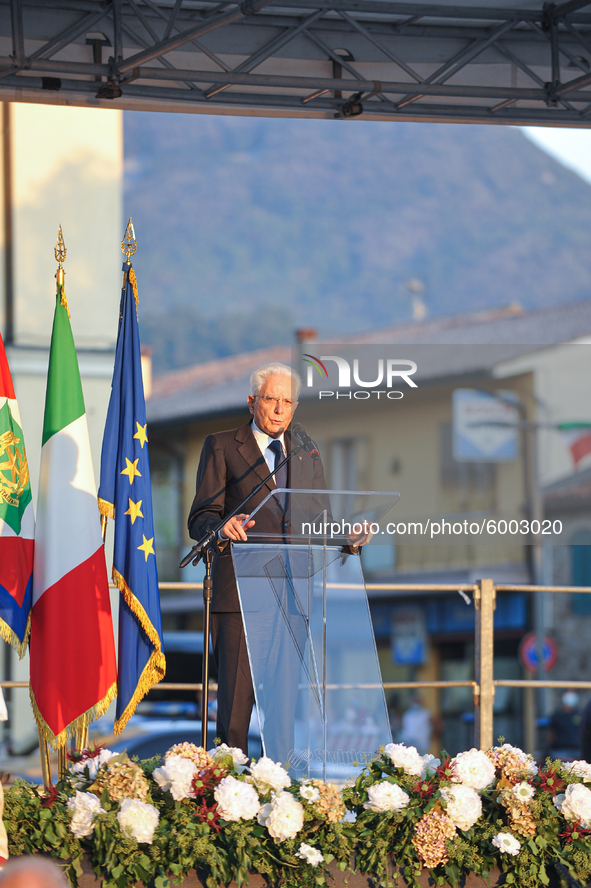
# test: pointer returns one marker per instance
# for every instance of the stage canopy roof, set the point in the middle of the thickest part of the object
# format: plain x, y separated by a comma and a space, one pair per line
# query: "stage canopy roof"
472, 61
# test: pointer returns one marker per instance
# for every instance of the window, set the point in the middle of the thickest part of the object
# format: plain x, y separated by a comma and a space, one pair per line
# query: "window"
580, 550
466, 486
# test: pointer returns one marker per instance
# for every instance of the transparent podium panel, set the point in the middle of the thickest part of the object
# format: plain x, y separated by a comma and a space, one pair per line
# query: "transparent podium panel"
316, 675
325, 517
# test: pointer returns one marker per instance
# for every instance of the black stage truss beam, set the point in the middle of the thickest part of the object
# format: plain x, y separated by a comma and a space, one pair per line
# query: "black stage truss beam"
376, 59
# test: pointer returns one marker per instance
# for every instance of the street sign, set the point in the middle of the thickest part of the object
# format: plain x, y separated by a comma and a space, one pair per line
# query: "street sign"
484, 426
528, 652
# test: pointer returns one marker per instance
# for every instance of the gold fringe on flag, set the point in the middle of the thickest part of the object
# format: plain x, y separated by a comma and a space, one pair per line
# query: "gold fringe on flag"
11, 638
61, 292
133, 282
105, 508
96, 711
155, 668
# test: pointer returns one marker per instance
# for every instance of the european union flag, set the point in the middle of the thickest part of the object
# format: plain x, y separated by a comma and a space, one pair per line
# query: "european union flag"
125, 495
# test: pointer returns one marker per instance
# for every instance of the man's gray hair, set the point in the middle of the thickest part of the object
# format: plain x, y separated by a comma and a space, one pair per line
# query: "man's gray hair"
274, 369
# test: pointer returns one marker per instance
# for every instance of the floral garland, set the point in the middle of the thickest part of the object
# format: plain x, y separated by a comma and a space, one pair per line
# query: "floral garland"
154, 821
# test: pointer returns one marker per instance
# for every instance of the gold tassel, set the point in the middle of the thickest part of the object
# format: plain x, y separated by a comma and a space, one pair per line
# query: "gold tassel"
96, 711
10, 636
105, 508
61, 291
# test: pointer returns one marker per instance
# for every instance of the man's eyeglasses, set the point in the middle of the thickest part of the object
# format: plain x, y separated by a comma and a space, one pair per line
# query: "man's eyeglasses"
287, 402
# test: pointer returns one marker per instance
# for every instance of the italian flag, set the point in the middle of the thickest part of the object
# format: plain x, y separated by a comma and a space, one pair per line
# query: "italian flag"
73, 671
17, 524
577, 436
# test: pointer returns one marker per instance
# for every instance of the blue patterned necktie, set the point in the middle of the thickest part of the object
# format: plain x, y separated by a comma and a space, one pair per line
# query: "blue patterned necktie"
281, 475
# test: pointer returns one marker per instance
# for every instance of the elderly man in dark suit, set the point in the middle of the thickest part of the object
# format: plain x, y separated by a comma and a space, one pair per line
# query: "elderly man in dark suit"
232, 463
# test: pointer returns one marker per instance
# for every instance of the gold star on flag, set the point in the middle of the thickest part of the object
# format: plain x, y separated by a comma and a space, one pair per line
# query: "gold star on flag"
147, 547
141, 434
131, 469
135, 510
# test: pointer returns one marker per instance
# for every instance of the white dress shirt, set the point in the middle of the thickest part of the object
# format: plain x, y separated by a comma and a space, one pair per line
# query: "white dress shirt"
264, 440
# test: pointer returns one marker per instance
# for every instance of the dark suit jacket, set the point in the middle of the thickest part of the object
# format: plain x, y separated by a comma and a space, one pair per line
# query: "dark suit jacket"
231, 465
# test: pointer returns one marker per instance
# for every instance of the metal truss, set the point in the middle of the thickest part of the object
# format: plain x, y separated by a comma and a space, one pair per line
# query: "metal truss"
378, 59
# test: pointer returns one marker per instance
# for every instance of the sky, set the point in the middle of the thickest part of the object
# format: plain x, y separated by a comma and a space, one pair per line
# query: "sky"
572, 147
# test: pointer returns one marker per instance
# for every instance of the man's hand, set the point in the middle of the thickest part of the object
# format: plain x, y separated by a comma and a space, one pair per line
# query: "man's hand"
361, 539
233, 529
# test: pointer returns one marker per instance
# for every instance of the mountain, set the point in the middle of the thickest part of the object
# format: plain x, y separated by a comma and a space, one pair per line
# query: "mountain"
251, 227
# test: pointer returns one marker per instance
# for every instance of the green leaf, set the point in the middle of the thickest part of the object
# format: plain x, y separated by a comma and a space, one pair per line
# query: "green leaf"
543, 876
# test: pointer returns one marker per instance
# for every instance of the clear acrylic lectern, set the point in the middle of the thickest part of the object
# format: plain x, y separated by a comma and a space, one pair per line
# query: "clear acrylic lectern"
316, 675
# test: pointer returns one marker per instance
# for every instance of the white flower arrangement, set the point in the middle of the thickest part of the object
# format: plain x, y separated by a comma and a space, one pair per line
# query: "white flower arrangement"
236, 799
238, 758
523, 791
138, 819
507, 844
84, 805
580, 769
405, 757
283, 816
269, 776
463, 805
473, 768
386, 796
176, 775
309, 792
90, 766
575, 804
311, 855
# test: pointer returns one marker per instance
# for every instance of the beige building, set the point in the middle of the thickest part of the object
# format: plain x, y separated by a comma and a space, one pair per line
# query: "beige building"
407, 445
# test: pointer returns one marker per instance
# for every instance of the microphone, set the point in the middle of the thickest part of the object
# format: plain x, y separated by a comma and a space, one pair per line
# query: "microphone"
305, 440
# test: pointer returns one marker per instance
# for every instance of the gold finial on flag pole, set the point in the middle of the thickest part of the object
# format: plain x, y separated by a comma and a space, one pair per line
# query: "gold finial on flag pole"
60, 255
60, 258
129, 243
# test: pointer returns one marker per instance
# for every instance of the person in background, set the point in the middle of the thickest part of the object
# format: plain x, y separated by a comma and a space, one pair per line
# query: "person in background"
32, 872
418, 726
585, 733
564, 728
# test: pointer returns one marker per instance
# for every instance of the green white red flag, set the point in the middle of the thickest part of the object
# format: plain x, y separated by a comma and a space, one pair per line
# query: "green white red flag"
577, 436
73, 670
17, 524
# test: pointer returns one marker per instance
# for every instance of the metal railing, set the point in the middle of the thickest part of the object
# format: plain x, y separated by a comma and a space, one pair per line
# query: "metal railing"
484, 593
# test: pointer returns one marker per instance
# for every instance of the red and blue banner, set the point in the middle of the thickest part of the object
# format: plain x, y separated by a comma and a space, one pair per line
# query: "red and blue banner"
17, 524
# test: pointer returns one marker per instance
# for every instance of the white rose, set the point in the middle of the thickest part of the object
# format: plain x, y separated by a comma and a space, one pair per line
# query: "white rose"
405, 757
473, 768
507, 844
91, 765
577, 804
310, 854
430, 764
386, 796
238, 757
176, 774
579, 768
463, 805
558, 800
309, 792
236, 800
84, 805
269, 776
138, 819
524, 791
283, 816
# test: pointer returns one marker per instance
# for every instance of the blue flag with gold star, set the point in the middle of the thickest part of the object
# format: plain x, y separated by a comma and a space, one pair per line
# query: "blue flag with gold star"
125, 495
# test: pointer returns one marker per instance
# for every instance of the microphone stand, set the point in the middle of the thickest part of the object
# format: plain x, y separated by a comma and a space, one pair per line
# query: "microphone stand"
204, 549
